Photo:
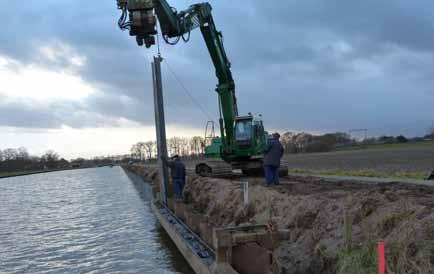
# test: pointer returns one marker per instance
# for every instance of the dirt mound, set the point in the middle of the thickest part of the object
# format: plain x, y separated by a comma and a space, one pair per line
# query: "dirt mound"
334, 226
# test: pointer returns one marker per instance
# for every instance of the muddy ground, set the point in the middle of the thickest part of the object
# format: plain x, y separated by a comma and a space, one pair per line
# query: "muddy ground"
334, 226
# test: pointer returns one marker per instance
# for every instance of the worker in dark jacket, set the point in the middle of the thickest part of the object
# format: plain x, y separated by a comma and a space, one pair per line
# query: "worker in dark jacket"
273, 153
177, 172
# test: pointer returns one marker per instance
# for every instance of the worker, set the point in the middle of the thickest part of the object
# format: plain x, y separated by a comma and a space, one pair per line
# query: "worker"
177, 172
272, 155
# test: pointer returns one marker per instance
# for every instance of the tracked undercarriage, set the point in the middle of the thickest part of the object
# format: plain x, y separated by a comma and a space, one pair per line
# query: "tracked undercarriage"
218, 168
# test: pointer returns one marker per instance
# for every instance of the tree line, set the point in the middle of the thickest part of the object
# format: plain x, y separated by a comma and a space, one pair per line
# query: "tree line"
293, 142
193, 146
308, 143
19, 159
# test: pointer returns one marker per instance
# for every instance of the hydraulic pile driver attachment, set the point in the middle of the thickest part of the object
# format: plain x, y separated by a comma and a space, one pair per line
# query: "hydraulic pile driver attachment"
142, 21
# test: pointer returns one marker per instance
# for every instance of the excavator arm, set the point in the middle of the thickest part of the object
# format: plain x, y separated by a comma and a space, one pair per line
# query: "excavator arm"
176, 25
243, 138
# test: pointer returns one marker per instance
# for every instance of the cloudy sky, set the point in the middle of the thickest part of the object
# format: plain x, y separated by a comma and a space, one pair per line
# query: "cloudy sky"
71, 81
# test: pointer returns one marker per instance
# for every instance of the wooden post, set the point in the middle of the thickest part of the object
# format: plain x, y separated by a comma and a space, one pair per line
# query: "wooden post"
245, 186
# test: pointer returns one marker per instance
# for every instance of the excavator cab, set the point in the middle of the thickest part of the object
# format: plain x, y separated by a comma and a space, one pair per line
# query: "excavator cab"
249, 136
244, 131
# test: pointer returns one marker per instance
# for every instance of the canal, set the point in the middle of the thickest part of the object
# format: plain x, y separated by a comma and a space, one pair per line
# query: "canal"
82, 221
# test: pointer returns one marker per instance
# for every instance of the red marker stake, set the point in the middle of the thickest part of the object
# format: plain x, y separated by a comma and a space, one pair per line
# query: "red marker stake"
381, 259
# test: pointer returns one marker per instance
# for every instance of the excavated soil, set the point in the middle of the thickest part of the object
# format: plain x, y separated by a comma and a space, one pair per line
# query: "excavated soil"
315, 211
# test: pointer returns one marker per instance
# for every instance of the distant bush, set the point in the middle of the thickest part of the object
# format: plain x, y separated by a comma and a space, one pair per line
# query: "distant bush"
416, 139
305, 142
387, 140
12, 160
319, 146
401, 139
369, 141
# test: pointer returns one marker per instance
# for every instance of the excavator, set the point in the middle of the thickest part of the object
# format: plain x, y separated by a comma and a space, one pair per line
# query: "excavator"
242, 137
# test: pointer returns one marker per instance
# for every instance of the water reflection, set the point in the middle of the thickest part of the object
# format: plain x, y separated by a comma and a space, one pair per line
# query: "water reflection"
82, 221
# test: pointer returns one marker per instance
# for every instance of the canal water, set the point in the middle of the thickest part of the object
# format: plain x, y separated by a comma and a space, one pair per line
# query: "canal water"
82, 221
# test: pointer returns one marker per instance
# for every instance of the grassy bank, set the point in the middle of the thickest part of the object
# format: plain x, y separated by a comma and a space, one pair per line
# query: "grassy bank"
28, 172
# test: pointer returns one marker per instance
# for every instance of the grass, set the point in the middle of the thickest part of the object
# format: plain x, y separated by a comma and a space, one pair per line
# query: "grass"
432, 253
391, 221
28, 172
351, 260
363, 259
357, 261
363, 173
19, 173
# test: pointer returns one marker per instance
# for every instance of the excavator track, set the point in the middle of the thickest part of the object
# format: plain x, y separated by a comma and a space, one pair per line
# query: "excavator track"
214, 168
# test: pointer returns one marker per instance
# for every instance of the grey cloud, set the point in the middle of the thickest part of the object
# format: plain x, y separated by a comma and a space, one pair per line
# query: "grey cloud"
285, 54
19, 115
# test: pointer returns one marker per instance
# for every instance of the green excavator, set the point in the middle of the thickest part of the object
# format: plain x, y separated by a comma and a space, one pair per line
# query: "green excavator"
242, 138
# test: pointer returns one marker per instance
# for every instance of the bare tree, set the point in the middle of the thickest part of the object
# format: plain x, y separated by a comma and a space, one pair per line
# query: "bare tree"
135, 151
196, 145
184, 146
170, 146
149, 148
287, 141
174, 145
301, 141
50, 158
10, 154
141, 149
155, 149
22, 153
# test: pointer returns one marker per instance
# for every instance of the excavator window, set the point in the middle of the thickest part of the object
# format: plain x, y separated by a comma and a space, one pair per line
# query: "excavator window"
243, 130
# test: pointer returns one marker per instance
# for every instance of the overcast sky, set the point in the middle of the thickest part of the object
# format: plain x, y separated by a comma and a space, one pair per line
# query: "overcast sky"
73, 82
